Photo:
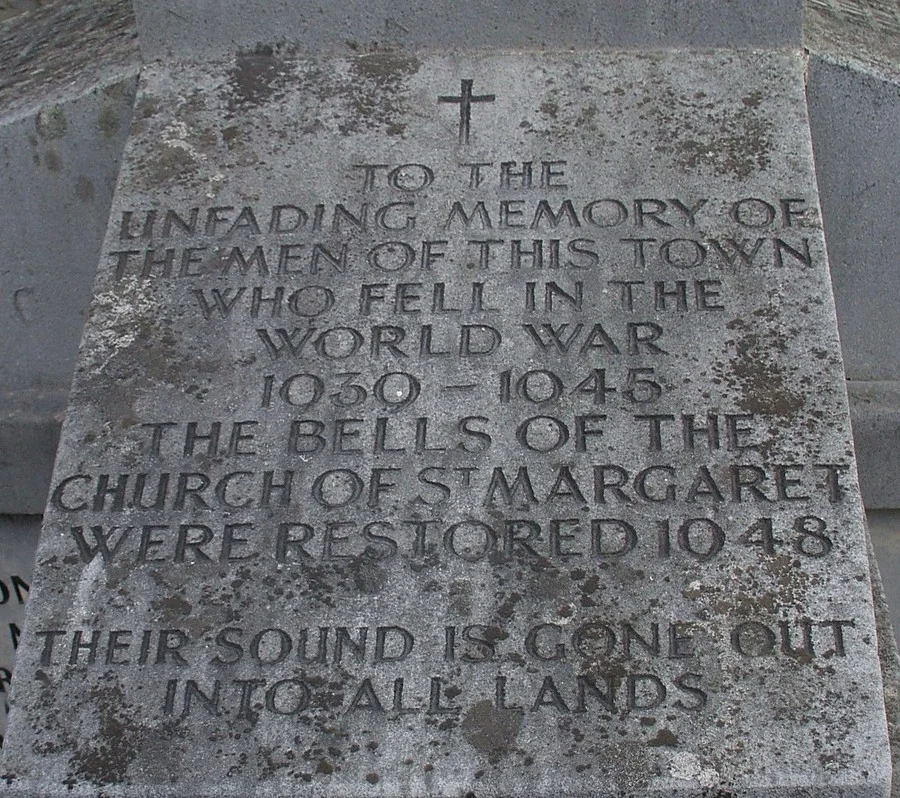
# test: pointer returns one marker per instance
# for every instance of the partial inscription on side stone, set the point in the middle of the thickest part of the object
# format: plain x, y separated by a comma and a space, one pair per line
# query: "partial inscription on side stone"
458, 426
18, 540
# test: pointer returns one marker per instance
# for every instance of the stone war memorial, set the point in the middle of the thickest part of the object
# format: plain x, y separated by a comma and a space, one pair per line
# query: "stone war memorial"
460, 413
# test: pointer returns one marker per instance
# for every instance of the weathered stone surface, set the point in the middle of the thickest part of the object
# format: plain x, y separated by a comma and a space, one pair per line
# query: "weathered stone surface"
65, 48
29, 433
558, 530
864, 31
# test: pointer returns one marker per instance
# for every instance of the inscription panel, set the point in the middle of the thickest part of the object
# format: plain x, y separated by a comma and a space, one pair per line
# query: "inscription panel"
452, 444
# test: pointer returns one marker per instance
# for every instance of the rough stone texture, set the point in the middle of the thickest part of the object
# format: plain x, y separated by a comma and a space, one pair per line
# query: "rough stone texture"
18, 541
197, 28
884, 528
68, 72
875, 410
430, 507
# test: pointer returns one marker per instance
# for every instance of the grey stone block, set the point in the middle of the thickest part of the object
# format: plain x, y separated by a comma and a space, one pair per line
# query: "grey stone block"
875, 410
189, 29
887, 637
18, 541
67, 82
884, 530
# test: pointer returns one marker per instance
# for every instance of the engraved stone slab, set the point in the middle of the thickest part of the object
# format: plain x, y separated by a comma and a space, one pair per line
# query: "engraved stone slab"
456, 426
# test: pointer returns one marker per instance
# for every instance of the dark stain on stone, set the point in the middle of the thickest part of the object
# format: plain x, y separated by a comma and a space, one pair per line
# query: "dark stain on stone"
368, 577
490, 730
460, 598
118, 91
664, 738
148, 106
385, 69
109, 122
84, 189
256, 78
173, 164
563, 117
494, 634
137, 348
380, 78
508, 607
752, 100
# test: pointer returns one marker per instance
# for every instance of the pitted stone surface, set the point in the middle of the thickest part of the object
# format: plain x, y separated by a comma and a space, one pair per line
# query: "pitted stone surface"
458, 425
